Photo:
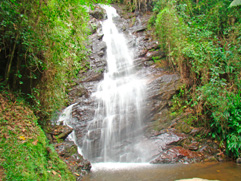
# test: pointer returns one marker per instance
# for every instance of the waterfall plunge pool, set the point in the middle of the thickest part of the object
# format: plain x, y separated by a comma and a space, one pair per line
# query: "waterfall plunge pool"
224, 171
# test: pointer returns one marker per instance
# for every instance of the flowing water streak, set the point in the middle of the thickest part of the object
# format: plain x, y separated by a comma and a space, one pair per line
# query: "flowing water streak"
117, 124
67, 119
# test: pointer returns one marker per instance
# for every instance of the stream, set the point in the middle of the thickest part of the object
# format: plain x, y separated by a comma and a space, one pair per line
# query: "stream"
226, 171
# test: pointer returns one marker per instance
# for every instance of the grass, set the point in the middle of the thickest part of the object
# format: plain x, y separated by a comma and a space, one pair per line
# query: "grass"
25, 153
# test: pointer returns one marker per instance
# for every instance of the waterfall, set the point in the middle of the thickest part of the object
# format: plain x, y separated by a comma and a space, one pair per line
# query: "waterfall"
114, 132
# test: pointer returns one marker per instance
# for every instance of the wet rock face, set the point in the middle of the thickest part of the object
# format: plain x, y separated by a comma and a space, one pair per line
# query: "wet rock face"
177, 143
171, 149
177, 154
161, 88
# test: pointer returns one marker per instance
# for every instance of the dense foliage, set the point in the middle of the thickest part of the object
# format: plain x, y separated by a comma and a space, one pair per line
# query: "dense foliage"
202, 40
42, 47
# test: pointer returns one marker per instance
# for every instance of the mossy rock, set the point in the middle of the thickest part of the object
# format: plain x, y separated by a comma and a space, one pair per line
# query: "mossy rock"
71, 150
161, 120
57, 133
98, 13
66, 149
183, 127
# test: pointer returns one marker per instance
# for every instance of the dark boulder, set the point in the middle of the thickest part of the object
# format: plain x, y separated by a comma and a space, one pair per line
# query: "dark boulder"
98, 13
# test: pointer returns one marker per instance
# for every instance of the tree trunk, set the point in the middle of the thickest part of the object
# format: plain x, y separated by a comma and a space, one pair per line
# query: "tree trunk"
9, 64
15, 78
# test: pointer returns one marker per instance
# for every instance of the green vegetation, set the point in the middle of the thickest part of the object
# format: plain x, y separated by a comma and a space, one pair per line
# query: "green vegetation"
25, 153
202, 40
42, 47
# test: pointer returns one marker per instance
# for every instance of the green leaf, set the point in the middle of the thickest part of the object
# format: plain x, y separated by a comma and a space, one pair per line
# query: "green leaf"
235, 3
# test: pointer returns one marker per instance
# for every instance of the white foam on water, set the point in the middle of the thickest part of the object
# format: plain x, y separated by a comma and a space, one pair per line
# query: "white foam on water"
115, 166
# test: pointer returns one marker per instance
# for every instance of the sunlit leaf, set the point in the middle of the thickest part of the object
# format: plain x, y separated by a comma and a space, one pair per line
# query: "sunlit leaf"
22, 138
235, 3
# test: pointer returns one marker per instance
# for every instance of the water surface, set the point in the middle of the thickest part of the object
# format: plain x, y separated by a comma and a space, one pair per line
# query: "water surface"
227, 171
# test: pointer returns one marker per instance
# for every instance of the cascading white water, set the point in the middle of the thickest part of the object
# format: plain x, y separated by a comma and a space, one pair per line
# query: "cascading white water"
66, 119
117, 125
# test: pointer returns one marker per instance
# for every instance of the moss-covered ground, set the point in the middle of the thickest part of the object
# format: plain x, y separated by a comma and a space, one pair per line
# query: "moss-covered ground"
25, 153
